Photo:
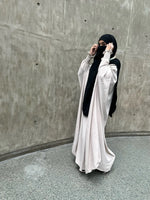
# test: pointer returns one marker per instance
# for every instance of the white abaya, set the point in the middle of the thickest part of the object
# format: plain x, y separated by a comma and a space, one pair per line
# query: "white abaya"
89, 146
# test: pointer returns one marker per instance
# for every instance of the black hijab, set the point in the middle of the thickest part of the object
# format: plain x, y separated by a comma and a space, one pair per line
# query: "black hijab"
107, 38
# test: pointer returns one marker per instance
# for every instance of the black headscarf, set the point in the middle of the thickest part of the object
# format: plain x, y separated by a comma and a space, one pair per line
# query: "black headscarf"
107, 38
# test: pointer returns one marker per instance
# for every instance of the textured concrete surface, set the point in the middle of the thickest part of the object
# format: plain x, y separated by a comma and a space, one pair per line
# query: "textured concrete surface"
41, 47
53, 175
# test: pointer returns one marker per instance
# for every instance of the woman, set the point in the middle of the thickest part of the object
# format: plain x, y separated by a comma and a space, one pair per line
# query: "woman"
98, 83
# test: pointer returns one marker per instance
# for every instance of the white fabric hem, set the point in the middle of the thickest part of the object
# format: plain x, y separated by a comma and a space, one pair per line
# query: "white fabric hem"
95, 168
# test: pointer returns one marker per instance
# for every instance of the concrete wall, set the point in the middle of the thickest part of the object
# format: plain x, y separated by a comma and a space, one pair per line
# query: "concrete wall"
41, 47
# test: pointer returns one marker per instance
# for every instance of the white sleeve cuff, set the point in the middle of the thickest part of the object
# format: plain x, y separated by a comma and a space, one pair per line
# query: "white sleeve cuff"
106, 55
89, 57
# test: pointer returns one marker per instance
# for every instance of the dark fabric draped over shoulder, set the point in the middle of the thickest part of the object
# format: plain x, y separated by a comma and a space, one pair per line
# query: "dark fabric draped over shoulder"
91, 80
114, 97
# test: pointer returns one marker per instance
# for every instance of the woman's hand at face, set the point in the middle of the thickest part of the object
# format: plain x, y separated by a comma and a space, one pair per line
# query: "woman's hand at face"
93, 49
109, 47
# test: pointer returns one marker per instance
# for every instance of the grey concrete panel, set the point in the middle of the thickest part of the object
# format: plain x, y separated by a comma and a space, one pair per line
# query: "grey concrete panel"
41, 48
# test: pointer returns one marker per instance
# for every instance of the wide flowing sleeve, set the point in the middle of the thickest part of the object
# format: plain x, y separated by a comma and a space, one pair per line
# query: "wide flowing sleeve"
84, 66
106, 79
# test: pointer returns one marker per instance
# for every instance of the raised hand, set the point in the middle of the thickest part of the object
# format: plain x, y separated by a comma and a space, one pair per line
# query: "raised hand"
109, 47
93, 49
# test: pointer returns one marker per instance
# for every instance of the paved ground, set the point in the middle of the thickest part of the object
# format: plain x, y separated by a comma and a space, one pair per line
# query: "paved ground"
51, 174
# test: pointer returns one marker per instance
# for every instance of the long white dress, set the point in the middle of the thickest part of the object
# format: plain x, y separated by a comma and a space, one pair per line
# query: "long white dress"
89, 145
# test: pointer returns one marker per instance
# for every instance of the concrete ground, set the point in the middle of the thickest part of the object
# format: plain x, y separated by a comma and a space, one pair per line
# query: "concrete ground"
52, 174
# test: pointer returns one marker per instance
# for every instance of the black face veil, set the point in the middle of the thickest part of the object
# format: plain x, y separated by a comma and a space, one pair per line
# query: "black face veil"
107, 38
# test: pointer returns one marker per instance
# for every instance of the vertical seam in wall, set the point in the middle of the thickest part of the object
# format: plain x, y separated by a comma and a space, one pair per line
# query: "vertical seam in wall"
128, 32
131, 11
64, 13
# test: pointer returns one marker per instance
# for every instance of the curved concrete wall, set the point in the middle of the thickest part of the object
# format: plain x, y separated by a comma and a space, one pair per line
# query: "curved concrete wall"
41, 47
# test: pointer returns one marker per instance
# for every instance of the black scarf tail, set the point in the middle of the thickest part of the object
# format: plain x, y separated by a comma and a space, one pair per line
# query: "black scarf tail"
114, 97
91, 80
